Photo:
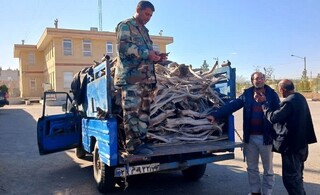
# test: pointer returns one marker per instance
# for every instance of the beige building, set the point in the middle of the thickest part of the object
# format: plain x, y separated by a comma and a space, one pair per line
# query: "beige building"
10, 78
60, 53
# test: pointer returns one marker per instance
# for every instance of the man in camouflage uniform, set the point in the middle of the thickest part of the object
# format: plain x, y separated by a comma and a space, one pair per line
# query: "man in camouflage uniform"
136, 76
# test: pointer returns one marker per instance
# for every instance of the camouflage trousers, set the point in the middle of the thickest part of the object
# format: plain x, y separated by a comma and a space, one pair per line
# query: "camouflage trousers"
136, 100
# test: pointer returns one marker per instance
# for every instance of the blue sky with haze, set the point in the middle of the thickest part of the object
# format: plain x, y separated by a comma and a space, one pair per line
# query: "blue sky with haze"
251, 34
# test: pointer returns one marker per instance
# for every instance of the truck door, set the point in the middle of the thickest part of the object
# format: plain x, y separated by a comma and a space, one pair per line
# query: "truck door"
59, 127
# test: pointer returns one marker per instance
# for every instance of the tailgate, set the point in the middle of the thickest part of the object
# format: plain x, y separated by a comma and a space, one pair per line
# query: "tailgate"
159, 150
208, 146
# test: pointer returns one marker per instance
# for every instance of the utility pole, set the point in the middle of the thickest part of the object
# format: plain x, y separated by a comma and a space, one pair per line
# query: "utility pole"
305, 68
304, 72
100, 14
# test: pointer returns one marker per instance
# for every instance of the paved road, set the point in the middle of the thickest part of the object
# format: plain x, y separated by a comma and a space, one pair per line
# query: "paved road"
23, 171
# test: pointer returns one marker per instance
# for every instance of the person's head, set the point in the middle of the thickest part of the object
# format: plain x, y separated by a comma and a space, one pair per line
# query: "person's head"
144, 12
258, 80
285, 87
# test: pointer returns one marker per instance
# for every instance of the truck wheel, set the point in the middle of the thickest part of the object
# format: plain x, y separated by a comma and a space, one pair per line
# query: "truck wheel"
103, 174
80, 152
194, 173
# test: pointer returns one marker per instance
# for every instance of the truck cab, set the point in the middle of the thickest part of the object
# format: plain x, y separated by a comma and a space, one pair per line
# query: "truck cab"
64, 125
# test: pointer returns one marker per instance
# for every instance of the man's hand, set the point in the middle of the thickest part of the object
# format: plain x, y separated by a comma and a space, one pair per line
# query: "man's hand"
164, 56
259, 97
211, 119
153, 56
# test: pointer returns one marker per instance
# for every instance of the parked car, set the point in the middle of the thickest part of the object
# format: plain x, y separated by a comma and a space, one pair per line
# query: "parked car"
4, 98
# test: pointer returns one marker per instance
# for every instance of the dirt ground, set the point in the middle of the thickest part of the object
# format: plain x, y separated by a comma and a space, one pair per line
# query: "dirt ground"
313, 96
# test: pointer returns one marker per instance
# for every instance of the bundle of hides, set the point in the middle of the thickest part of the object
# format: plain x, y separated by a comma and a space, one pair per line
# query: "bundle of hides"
182, 100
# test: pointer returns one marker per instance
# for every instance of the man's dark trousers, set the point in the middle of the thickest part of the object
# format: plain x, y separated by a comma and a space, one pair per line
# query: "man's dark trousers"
292, 171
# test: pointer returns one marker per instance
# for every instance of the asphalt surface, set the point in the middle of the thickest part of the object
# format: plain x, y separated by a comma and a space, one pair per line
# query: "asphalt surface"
24, 171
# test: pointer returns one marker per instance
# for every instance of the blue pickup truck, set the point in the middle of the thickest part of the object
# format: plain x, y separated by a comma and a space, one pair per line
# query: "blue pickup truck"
65, 126
4, 99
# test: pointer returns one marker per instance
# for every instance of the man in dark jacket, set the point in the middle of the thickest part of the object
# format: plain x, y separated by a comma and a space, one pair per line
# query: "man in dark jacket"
294, 127
257, 132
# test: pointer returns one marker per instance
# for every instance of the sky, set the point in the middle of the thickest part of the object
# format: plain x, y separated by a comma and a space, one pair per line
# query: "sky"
251, 34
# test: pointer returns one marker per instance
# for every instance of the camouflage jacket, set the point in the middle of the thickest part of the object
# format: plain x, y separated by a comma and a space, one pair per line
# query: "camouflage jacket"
134, 44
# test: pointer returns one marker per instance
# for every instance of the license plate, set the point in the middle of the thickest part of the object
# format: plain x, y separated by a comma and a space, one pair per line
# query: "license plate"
138, 169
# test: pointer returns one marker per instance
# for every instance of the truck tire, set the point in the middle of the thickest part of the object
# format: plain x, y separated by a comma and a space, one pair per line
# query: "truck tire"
103, 174
80, 152
194, 173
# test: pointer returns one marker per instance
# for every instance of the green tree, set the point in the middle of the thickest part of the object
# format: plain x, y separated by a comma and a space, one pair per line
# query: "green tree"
205, 66
4, 88
241, 84
268, 72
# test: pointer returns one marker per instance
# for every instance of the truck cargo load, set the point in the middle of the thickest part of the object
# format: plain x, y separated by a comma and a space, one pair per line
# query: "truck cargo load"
180, 135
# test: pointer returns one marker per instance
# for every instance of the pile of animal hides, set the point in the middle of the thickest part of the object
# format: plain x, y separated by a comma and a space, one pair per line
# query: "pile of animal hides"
182, 100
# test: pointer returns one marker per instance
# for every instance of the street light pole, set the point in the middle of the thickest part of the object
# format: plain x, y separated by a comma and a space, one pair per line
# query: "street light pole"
304, 72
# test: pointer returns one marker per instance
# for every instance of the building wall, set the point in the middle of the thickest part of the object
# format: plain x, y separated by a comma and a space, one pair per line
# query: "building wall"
52, 69
10, 78
31, 73
76, 61
49, 67
97, 51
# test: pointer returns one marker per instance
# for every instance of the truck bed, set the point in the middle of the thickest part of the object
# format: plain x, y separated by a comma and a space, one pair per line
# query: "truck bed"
212, 146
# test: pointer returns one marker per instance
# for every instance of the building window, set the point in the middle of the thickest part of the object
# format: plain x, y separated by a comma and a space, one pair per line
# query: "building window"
86, 47
156, 48
67, 47
33, 84
31, 58
67, 79
110, 49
